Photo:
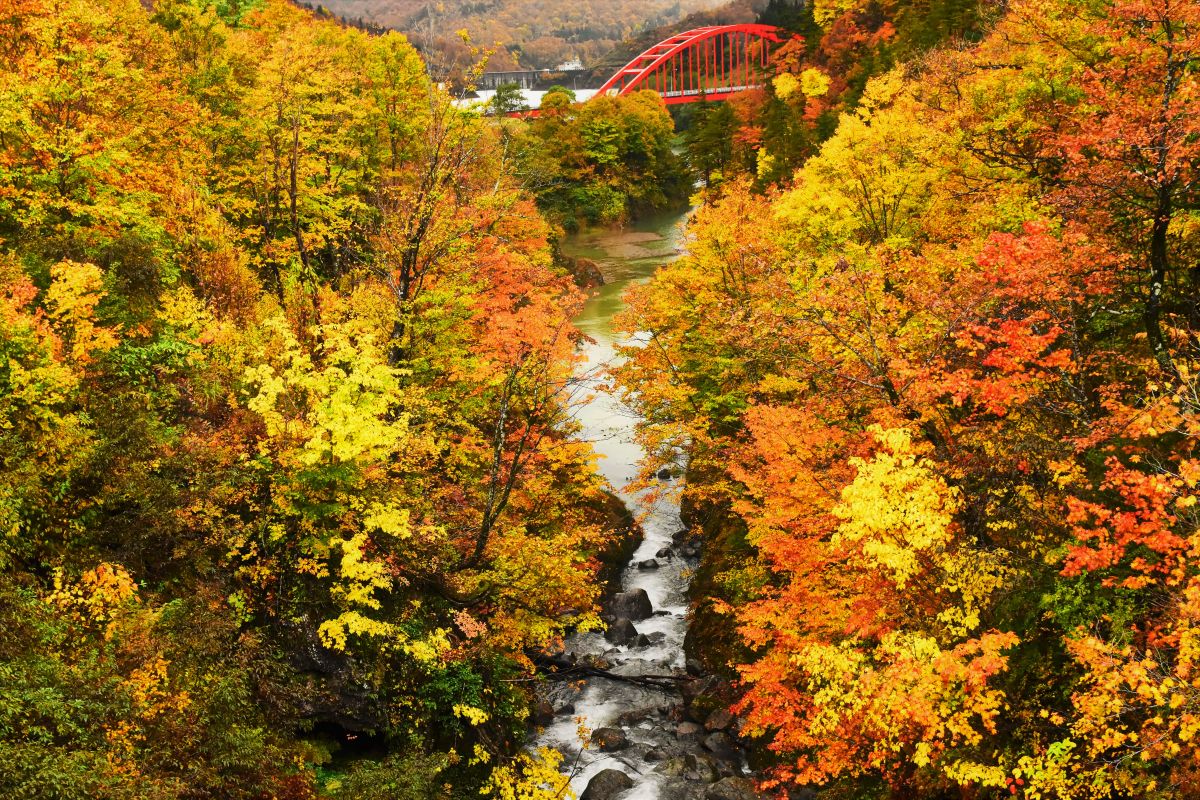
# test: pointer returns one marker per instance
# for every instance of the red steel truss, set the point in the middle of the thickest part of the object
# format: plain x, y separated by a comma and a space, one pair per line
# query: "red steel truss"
712, 62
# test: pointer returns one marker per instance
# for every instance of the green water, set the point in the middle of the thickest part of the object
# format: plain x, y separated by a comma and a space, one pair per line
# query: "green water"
626, 256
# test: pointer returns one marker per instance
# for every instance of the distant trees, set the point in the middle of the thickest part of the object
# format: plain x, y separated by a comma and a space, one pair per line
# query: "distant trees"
839, 47
545, 33
602, 161
507, 99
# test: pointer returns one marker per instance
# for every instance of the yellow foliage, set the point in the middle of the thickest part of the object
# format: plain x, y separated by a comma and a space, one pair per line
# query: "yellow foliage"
814, 83
96, 595
475, 716
336, 411
785, 85
361, 577
530, 776
897, 510
826, 11
75, 291
872, 181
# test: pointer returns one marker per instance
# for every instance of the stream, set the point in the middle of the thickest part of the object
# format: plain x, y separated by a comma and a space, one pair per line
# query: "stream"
646, 732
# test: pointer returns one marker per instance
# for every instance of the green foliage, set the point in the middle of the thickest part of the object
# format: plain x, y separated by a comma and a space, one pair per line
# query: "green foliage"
410, 776
507, 99
603, 161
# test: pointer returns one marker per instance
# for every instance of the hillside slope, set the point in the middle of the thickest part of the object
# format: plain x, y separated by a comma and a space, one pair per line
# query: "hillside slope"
530, 33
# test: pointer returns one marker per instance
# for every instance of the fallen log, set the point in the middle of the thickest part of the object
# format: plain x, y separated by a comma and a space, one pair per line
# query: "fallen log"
559, 667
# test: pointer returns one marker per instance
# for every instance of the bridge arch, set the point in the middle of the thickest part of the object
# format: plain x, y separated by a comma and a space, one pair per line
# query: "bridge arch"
711, 62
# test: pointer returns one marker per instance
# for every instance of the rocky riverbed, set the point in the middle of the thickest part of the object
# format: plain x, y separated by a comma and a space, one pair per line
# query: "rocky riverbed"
636, 719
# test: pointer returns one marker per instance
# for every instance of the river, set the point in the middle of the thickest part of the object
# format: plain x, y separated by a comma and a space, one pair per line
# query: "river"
662, 759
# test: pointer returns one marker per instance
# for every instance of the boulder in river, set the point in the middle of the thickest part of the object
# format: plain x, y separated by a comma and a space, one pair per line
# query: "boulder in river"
586, 273
606, 784
664, 474
672, 766
689, 729
629, 719
692, 690
633, 605
694, 667
621, 631
731, 789
648, 564
664, 552
610, 740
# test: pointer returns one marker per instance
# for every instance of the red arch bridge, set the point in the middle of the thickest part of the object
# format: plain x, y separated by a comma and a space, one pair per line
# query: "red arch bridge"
712, 63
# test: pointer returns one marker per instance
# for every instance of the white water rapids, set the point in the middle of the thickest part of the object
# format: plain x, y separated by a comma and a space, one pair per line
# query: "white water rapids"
650, 718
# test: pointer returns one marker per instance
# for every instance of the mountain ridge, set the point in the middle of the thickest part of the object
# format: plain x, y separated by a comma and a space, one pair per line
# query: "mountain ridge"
530, 34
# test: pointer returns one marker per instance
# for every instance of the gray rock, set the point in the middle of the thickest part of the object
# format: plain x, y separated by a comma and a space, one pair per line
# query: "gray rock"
664, 474
731, 789
606, 784
654, 754
621, 631
689, 729
628, 719
633, 605
672, 766
693, 689
694, 667
642, 641
678, 789
664, 552
721, 746
719, 720
702, 767
648, 564
610, 740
